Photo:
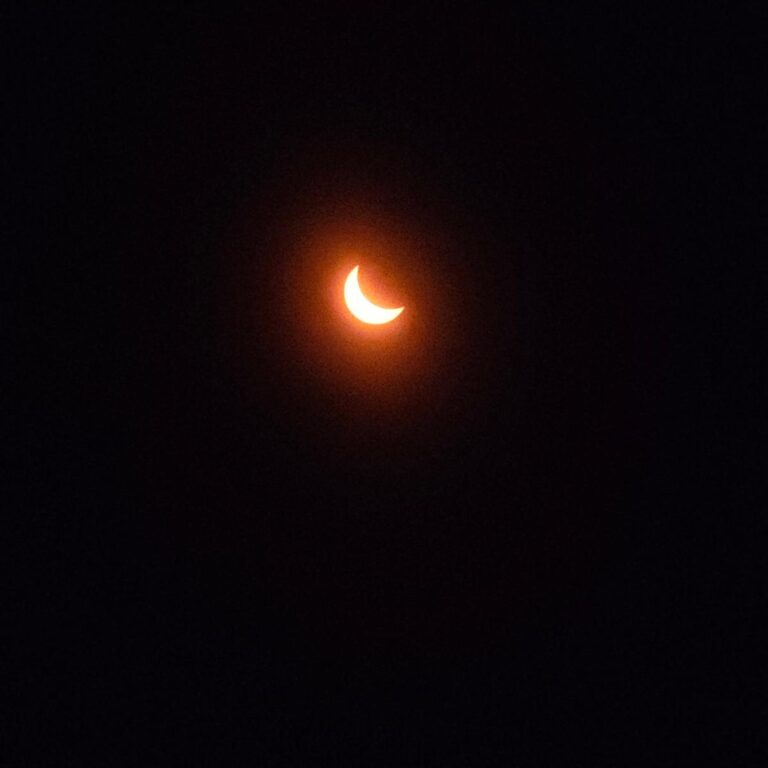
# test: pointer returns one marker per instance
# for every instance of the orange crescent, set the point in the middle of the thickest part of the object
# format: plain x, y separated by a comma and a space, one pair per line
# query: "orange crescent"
361, 307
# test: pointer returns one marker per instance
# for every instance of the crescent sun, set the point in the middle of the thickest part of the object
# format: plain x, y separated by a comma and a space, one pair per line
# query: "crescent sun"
361, 307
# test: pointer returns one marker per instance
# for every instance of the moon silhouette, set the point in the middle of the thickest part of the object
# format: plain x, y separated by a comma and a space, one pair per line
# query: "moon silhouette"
361, 307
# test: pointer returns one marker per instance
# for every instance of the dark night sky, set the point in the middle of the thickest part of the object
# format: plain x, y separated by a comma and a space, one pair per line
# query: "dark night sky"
239, 536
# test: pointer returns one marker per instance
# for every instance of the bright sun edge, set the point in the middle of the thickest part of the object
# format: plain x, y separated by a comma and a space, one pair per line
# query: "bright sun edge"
361, 307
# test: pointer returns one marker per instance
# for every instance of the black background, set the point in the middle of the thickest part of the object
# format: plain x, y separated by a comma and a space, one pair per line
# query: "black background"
224, 550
